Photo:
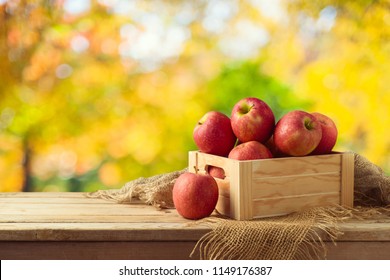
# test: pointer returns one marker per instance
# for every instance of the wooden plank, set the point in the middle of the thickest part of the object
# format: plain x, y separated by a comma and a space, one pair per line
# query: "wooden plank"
240, 189
245, 190
358, 251
353, 230
183, 224
56, 198
60, 200
96, 250
81, 210
67, 206
161, 250
89, 218
365, 230
101, 232
44, 194
347, 179
277, 206
147, 225
289, 166
295, 185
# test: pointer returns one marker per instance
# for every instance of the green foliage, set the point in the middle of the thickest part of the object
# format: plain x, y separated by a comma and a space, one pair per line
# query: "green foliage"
245, 79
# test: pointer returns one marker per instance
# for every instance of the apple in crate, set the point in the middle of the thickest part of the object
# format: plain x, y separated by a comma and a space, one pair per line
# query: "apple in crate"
195, 195
216, 172
270, 144
251, 150
213, 134
252, 120
329, 134
297, 133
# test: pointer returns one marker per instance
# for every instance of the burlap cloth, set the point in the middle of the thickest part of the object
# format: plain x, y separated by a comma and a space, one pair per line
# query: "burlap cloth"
298, 235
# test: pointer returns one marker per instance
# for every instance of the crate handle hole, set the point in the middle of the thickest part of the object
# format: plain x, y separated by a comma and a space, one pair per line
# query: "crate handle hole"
215, 171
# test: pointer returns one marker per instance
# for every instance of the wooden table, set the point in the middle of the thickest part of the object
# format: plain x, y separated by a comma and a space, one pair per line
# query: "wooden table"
71, 226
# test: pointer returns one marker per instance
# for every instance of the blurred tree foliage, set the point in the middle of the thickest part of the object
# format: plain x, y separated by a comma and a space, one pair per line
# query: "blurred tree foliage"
96, 93
246, 79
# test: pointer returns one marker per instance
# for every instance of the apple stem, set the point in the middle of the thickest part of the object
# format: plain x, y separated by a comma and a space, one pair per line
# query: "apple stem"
308, 124
196, 163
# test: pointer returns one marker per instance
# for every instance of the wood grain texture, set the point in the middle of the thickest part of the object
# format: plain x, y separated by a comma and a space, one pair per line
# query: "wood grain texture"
57, 218
104, 250
358, 251
347, 179
153, 224
136, 231
295, 185
241, 190
278, 206
161, 250
292, 166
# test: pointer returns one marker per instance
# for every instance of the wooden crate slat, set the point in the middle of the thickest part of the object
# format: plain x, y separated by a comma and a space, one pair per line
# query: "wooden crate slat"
347, 183
296, 165
285, 205
295, 185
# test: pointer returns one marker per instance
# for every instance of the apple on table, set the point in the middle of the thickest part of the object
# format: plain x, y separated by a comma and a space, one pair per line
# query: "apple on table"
195, 195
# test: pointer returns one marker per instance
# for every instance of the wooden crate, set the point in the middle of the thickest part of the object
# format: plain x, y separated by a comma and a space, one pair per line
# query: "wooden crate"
272, 187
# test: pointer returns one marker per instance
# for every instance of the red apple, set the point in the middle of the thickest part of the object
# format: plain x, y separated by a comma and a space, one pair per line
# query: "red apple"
216, 172
252, 120
273, 149
329, 134
249, 151
213, 134
297, 133
195, 195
